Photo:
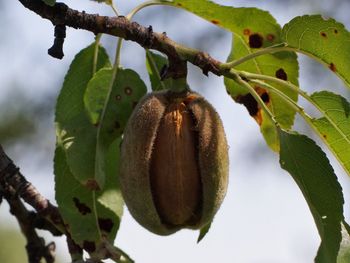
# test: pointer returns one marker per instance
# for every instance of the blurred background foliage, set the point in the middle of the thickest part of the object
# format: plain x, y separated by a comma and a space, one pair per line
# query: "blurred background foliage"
12, 246
13, 249
30, 81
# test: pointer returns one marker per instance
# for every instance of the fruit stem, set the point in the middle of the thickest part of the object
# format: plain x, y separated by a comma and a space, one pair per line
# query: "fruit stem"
179, 85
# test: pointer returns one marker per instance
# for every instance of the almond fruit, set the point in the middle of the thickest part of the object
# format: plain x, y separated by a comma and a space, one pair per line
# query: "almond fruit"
174, 162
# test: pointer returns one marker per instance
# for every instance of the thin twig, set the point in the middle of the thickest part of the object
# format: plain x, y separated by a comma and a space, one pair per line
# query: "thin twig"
36, 249
10, 174
47, 216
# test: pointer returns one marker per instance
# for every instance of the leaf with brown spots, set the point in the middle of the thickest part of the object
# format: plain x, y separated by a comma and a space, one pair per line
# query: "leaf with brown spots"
76, 175
284, 114
270, 37
250, 36
283, 66
332, 67
73, 128
116, 107
323, 34
324, 40
89, 246
127, 87
240, 21
128, 91
252, 29
82, 208
246, 32
105, 224
281, 74
256, 40
76, 202
252, 106
250, 103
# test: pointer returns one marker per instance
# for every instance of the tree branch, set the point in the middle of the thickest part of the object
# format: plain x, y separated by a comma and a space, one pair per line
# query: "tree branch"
56, 50
36, 249
10, 174
61, 14
14, 185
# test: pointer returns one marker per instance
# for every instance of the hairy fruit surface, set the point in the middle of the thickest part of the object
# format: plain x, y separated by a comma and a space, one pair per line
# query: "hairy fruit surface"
174, 162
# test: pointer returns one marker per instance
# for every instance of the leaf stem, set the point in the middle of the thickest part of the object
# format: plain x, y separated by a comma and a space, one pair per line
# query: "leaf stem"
114, 8
291, 86
153, 65
117, 53
287, 99
110, 88
269, 50
288, 84
305, 116
116, 252
142, 6
236, 77
94, 207
97, 42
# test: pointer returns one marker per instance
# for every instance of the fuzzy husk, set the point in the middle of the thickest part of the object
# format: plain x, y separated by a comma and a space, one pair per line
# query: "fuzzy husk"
213, 158
136, 154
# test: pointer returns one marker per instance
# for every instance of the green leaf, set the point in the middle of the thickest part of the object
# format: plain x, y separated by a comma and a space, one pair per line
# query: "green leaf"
230, 18
108, 2
346, 227
311, 170
78, 137
70, 102
154, 65
73, 128
252, 30
86, 142
326, 40
109, 112
89, 215
336, 134
282, 65
75, 159
203, 232
50, 2
127, 90
344, 251
344, 254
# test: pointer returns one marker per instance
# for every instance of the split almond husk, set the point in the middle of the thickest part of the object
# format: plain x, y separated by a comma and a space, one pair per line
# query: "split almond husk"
174, 162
